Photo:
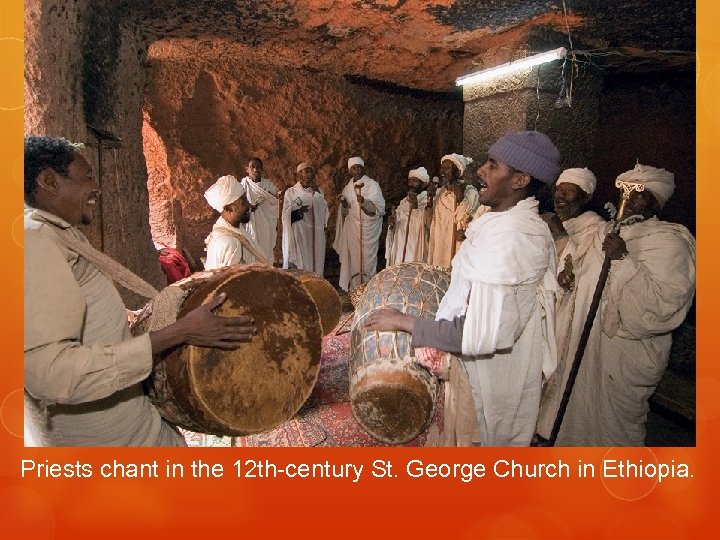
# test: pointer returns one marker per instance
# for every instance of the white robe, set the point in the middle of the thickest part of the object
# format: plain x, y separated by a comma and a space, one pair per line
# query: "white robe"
263, 221
647, 296
224, 249
503, 281
299, 238
584, 245
409, 235
357, 235
447, 215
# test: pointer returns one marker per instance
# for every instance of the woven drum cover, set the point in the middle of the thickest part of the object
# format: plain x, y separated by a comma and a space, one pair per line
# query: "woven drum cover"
392, 397
325, 296
262, 383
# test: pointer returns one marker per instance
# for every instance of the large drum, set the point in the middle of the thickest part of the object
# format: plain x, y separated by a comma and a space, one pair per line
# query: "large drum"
392, 397
262, 383
326, 298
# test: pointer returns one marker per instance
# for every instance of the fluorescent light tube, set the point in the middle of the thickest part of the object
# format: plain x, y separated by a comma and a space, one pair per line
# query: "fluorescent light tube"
511, 67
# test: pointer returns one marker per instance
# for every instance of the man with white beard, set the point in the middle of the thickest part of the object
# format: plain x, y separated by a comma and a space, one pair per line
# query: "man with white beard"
649, 291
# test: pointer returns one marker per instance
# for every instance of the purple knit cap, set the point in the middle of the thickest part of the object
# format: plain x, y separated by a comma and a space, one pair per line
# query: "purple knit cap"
530, 152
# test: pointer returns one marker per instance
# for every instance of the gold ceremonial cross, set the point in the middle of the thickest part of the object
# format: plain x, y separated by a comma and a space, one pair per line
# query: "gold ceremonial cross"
627, 188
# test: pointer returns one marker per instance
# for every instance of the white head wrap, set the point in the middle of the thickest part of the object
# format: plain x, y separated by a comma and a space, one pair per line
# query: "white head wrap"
460, 161
421, 174
583, 178
224, 191
659, 182
303, 166
355, 161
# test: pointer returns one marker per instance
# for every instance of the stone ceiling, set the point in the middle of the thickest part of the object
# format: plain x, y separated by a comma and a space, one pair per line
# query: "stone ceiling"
413, 44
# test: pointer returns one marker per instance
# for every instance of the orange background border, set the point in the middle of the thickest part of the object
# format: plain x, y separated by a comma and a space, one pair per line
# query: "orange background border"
439, 508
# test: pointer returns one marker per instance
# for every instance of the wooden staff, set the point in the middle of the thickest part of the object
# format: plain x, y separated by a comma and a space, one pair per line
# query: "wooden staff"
627, 189
358, 192
312, 209
407, 232
454, 241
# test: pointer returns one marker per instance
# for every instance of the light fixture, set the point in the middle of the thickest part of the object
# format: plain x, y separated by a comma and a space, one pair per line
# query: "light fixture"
511, 67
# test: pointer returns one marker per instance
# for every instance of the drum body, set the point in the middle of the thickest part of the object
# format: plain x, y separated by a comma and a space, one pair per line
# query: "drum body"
262, 383
326, 298
392, 397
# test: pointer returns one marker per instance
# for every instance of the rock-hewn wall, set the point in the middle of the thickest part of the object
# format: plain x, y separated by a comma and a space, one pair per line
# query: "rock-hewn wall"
650, 118
530, 101
82, 67
53, 63
614, 121
204, 121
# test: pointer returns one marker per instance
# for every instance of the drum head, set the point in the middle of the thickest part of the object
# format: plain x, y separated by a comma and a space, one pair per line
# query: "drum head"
263, 383
393, 400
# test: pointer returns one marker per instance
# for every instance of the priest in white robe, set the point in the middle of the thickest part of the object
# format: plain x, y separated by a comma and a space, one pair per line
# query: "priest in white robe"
649, 291
304, 218
449, 210
498, 313
229, 243
579, 262
358, 228
407, 237
263, 197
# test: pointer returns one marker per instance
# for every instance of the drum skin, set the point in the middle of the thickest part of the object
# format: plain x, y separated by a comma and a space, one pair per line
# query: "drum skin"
392, 397
262, 383
326, 298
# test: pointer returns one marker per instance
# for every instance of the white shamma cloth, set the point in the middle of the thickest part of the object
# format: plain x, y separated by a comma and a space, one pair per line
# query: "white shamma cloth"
503, 281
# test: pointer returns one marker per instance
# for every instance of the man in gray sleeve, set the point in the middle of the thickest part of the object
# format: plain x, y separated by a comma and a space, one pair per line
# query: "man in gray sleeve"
498, 313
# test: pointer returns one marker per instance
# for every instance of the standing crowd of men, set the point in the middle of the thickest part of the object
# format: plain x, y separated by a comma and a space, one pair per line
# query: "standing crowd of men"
510, 323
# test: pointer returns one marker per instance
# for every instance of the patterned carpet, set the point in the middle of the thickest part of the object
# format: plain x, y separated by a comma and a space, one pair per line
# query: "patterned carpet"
325, 419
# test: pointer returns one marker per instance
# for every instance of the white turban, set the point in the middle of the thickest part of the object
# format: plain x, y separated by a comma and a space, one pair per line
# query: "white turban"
225, 191
461, 161
303, 166
421, 174
355, 161
583, 178
659, 182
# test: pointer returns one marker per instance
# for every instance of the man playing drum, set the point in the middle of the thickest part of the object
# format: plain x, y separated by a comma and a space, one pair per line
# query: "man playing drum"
82, 367
229, 242
498, 313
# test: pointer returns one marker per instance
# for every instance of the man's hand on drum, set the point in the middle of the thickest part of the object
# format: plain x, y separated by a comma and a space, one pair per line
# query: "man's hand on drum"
390, 320
203, 328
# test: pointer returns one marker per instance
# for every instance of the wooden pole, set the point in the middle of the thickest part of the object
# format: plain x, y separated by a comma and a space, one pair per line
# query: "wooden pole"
407, 232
